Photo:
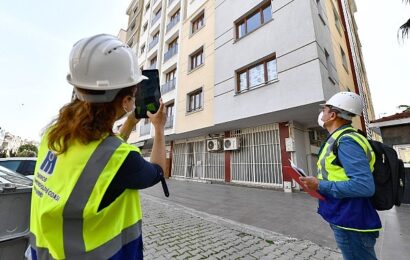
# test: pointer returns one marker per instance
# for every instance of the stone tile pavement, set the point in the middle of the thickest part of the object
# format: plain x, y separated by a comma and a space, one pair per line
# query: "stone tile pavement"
172, 231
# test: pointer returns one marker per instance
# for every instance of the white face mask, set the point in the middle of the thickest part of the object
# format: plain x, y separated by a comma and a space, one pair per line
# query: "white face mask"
320, 121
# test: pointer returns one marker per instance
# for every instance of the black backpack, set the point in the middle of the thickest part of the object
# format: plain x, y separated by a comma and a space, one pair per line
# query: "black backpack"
388, 174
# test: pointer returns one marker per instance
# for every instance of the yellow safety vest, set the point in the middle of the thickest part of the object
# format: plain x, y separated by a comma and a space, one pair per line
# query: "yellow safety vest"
355, 214
67, 191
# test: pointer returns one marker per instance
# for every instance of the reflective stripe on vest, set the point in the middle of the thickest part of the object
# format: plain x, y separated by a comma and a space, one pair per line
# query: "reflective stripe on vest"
327, 156
74, 229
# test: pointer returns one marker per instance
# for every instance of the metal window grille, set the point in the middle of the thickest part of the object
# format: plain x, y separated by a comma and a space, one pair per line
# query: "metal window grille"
259, 160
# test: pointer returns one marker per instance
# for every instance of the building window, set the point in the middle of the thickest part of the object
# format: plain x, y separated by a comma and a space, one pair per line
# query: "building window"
195, 100
198, 23
147, 7
337, 20
403, 151
142, 49
135, 9
171, 75
257, 74
175, 16
329, 67
145, 27
344, 59
153, 62
196, 59
173, 44
254, 20
170, 110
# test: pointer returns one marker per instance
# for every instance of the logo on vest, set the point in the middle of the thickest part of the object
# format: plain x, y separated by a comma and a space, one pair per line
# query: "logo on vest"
49, 162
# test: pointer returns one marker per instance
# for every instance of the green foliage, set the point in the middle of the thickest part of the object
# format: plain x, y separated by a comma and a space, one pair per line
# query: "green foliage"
26, 153
27, 150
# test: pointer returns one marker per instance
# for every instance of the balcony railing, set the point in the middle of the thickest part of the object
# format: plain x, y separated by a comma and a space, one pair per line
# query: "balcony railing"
152, 66
171, 52
153, 2
172, 23
170, 2
145, 129
168, 86
170, 122
153, 43
155, 19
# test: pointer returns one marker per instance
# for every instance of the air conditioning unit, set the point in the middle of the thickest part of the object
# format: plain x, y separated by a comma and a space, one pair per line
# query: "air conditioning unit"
213, 145
231, 143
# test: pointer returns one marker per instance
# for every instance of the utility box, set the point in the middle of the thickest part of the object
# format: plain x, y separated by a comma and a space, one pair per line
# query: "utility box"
15, 200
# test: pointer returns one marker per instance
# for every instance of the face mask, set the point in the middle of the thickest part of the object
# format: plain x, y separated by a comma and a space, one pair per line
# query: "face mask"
320, 121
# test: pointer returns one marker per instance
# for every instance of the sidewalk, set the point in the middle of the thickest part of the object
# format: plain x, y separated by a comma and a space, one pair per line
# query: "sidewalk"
293, 215
172, 231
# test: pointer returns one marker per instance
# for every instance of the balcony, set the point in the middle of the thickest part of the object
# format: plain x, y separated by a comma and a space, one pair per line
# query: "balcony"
168, 86
170, 122
155, 19
171, 52
152, 66
153, 43
153, 2
172, 23
145, 129
170, 2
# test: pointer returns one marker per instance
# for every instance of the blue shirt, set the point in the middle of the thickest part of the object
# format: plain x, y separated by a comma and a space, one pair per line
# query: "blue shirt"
356, 165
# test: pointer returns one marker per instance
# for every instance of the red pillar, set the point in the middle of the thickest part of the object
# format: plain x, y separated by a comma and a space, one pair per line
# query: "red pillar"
285, 156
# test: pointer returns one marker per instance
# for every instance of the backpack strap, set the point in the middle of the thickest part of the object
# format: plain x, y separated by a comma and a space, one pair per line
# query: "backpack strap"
335, 147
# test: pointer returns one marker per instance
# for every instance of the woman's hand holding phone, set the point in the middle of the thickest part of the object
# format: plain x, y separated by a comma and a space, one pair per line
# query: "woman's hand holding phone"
159, 118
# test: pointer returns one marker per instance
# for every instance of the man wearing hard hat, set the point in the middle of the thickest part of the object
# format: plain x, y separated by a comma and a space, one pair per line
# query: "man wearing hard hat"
85, 202
347, 188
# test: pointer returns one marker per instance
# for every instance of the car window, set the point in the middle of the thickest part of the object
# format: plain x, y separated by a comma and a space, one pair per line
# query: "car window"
12, 165
29, 167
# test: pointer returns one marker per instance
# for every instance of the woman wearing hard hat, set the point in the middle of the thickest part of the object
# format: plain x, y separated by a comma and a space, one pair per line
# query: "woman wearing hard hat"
85, 202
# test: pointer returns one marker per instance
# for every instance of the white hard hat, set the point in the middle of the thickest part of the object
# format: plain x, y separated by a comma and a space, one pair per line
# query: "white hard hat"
102, 62
347, 102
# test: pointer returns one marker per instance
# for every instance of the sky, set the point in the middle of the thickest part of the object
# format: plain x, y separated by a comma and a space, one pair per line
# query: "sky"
37, 37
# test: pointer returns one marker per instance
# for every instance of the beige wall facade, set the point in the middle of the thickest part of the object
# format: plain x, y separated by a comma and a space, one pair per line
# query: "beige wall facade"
201, 77
340, 51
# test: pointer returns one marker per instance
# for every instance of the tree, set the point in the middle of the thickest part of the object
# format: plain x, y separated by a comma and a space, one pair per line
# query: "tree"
27, 150
404, 29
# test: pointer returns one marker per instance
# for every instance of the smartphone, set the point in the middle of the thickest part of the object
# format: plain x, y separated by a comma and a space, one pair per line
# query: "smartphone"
148, 94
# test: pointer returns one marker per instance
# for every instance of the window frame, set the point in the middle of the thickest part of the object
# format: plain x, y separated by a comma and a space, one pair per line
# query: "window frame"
168, 75
193, 94
199, 17
243, 20
344, 59
194, 55
265, 60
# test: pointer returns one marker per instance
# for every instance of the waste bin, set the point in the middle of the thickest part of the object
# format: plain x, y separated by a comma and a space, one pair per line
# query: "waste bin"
15, 198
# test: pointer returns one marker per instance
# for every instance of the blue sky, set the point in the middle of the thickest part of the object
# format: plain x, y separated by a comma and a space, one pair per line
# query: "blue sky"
37, 37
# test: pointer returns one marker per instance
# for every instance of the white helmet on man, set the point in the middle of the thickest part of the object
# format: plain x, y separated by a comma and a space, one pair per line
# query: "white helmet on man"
102, 62
348, 103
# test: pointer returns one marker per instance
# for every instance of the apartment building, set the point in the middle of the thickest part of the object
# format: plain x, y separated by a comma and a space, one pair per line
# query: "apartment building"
243, 82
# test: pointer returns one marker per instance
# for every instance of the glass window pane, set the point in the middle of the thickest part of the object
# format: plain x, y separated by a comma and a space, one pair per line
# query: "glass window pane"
197, 101
256, 76
272, 70
242, 82
267, 13
241, 30
253, 22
